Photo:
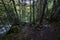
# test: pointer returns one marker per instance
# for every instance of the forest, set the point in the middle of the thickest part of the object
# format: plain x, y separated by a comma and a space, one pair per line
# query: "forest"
29, 19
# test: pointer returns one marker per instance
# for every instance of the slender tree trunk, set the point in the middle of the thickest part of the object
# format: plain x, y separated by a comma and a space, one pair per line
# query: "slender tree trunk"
43, 10
33, 12
17, 18
7, 12
30, 12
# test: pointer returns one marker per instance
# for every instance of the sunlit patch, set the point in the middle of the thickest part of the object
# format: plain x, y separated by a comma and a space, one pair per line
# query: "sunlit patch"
4, 29
50, 5
28, 9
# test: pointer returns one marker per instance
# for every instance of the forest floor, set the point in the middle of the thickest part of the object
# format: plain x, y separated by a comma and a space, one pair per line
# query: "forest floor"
28, 33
